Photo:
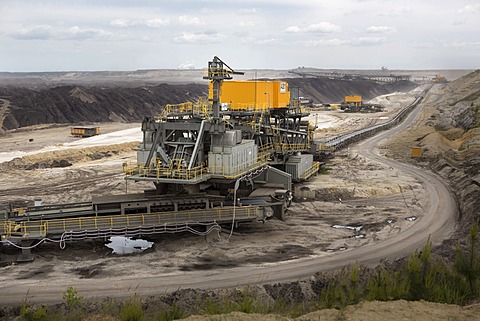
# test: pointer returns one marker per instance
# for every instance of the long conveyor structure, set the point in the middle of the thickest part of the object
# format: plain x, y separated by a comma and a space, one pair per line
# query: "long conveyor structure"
127, 215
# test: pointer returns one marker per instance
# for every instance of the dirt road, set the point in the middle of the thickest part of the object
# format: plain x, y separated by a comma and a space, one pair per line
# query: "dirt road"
438, 220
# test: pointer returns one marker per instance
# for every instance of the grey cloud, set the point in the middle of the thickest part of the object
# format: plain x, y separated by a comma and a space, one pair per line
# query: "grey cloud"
199, 38
189, 20
381, 29
368, 41
327, 42
471, 8
46, 32
322, 27
154, 22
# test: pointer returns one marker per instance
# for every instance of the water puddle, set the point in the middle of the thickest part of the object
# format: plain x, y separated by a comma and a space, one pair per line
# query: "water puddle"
347, 227
411, 218
125, 245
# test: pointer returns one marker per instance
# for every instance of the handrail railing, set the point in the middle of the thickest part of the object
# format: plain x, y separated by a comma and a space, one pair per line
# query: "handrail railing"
58, 226
311, 171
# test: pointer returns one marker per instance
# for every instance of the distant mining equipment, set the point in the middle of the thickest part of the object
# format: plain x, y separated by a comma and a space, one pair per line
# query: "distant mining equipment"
85, 131
355, 104
229, 158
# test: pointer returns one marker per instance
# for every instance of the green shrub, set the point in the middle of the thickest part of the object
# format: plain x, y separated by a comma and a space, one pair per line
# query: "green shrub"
246, 302
467, 263
131, 310
29, 314
212, 306
71, 297
172, 313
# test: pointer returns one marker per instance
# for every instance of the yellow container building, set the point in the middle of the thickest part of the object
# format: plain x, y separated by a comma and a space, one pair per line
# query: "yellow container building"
85, 131
357, 100
253, 94
417, 152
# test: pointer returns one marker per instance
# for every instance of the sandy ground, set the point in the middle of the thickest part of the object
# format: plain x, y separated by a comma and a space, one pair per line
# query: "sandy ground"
354, 203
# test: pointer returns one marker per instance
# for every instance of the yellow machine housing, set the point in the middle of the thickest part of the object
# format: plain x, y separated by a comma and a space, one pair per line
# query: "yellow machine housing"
253, 94
439, 79
353, 100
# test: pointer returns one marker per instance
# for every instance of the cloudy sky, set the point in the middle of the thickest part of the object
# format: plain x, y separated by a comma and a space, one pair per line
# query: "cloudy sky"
63, 35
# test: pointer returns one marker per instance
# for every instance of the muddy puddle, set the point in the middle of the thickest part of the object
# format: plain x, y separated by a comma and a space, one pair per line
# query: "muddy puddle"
127, 245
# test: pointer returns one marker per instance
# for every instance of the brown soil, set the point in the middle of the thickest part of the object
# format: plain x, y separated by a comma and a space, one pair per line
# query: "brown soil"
371, 311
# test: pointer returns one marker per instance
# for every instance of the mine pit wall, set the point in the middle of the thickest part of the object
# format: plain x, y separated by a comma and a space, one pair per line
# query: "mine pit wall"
462, 171
461, 168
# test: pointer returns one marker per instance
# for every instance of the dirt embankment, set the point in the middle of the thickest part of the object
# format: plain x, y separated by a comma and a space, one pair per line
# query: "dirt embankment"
335, 90
76, 104
23, 106
449, 134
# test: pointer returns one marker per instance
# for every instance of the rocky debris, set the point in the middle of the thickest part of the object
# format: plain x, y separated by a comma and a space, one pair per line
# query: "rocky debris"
100, 155
54, 164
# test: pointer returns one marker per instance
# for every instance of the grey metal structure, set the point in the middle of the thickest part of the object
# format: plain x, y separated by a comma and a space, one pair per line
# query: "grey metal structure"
200, 148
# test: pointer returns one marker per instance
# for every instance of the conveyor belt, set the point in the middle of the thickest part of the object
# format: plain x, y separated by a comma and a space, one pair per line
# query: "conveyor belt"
347, 139
123, 224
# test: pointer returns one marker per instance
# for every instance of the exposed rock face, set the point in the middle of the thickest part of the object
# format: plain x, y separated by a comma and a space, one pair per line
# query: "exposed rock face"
74, 104
460, 108
448, 131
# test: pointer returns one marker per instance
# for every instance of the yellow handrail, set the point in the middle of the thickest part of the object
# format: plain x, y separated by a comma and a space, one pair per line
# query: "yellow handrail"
93, 223
312, 170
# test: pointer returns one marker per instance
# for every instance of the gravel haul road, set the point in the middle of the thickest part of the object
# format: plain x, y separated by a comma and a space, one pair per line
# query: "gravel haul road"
438, 222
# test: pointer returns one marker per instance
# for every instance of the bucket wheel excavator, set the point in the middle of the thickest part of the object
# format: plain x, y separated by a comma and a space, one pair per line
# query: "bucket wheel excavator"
230, 157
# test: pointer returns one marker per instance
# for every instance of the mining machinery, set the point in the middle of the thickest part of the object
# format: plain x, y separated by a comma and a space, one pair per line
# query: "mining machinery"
246, 135
230, 158
354, 103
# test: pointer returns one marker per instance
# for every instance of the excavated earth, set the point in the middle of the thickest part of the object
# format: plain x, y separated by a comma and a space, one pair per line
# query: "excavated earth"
448, 132
22, 106
352, 193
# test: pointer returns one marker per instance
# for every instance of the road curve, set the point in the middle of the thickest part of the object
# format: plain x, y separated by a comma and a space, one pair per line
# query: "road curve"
438, 221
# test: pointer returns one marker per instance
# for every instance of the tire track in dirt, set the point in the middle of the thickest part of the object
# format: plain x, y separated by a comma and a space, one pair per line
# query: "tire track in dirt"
54, 187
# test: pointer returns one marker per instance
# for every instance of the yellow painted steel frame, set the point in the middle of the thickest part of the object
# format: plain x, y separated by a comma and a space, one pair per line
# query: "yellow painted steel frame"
311, 171
22, 229
197, 173
294, 147
162, 172
58, 226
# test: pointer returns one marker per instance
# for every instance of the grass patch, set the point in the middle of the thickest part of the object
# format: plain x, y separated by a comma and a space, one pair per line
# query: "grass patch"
131, 310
